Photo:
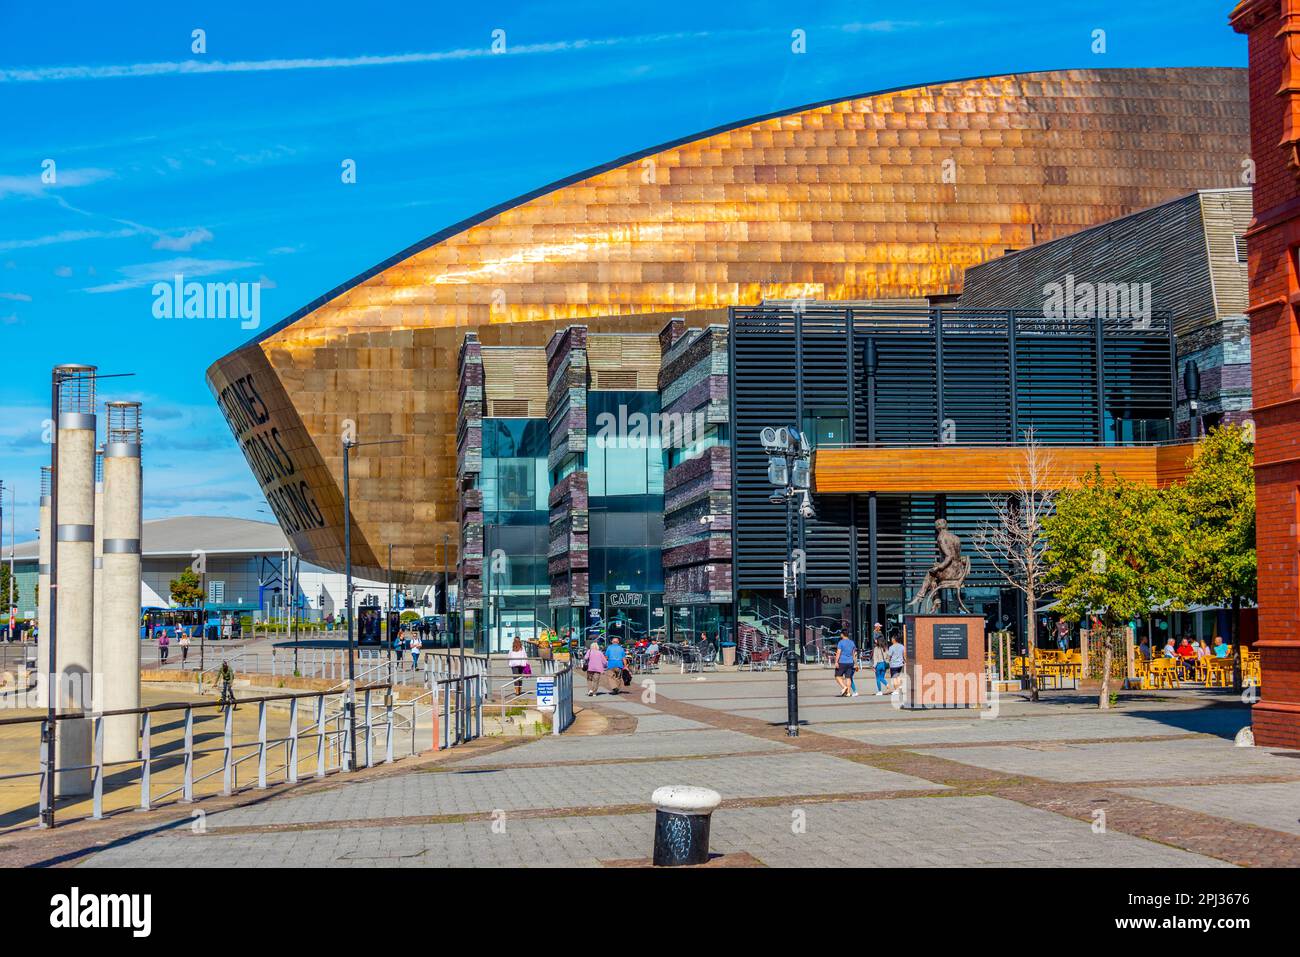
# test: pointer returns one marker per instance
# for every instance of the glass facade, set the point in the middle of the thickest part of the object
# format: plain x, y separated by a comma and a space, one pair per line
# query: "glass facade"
515, 486
625, 482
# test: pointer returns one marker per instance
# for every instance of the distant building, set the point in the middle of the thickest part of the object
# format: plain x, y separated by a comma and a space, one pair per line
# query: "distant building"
247, 565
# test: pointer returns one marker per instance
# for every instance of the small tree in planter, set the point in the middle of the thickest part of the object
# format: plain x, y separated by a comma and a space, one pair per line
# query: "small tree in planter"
1115, 549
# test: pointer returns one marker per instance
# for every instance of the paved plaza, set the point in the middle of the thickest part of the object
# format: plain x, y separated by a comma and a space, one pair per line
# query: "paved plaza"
1157, 782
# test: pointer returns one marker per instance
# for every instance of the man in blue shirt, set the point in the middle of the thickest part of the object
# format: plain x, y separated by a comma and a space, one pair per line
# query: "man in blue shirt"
615, 654
844, 665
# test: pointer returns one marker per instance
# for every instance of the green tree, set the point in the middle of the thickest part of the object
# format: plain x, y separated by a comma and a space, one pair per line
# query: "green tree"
8, 591
1115, 551
1217, 501
186, 589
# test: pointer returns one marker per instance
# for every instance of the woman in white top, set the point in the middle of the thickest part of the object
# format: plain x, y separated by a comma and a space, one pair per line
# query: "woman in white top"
518, 664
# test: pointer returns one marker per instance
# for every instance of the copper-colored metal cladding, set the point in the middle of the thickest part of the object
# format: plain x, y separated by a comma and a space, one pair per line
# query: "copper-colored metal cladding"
952, 468
887, 195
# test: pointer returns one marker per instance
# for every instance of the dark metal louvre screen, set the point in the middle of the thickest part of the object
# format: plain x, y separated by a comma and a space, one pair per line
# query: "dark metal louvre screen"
986, 374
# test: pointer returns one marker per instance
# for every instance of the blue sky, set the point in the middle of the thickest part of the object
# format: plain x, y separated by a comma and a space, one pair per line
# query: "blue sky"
225, 165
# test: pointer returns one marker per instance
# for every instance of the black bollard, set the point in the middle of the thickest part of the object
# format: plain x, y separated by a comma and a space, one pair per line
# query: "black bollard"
682, 816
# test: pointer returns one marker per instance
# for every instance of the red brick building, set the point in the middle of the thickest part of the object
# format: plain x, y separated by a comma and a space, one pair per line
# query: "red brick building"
1273, 29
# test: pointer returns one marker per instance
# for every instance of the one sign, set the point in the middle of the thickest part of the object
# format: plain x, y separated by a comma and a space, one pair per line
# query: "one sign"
950, 641
626, 599
546, 693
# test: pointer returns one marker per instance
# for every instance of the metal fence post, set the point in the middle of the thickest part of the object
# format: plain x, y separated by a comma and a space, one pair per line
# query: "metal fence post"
98, 805
187, 788
320, 736
47, 768
366, 705
146, 745
291, 765
261, 745
388, 748
446, 717
228, 762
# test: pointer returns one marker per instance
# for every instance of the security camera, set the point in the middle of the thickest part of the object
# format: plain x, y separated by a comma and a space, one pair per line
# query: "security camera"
806, 509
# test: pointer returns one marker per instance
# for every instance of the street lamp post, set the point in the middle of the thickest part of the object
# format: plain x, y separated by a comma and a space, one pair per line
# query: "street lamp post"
787, 469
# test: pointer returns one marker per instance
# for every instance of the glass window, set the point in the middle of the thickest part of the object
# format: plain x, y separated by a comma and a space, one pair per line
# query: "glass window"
827, 426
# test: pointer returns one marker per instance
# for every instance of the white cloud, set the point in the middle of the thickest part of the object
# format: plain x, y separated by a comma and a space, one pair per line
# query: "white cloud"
68, 236
184, 242
142, 274
192, 67
16, 296
33, 185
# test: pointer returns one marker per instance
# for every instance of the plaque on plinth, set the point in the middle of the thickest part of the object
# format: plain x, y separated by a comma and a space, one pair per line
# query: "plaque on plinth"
944, 667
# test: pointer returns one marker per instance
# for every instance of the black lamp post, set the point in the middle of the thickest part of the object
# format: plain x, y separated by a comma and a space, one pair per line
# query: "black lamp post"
787, 470
1192, 386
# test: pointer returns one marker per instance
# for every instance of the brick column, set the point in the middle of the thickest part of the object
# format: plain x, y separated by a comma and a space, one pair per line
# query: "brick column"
1273, 240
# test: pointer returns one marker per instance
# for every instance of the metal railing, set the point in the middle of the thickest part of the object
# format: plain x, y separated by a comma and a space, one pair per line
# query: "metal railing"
563, 699
330, 731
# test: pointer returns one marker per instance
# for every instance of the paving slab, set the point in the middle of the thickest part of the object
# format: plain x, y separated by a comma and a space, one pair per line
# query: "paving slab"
908, 832
604, 747
598, 785
1194, 760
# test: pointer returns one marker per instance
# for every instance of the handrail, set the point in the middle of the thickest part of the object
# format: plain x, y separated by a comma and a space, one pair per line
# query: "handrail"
161, 708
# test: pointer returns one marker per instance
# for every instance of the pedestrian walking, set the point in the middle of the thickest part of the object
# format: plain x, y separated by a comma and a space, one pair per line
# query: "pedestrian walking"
593, 664
184, 643
897, 657
880, 663
164, 642
415, 652
518, 664
399, 646
844, 665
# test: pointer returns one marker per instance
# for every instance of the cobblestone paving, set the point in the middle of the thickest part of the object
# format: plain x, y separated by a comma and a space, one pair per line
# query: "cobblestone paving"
1221, 722
1275, 806
866, 786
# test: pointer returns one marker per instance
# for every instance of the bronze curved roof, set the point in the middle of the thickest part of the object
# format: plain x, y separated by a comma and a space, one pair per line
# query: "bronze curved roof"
885, 195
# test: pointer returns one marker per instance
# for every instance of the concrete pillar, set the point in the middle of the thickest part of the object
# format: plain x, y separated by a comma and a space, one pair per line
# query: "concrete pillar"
43, 596
97, 633
74, 583
119, 666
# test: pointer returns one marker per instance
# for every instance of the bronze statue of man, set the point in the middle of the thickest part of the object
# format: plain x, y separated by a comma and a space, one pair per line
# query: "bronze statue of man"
949, 571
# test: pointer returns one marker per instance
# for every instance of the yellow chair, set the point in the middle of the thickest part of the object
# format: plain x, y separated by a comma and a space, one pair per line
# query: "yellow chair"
1164, 673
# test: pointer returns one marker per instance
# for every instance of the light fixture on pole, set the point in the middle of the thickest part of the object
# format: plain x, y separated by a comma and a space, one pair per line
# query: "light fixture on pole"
788, 456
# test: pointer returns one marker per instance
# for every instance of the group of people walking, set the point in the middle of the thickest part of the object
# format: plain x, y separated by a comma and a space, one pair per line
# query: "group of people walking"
887, 659
164, 638
608, 666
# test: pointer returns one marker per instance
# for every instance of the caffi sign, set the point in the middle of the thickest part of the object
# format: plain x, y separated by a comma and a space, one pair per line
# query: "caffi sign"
626, 599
